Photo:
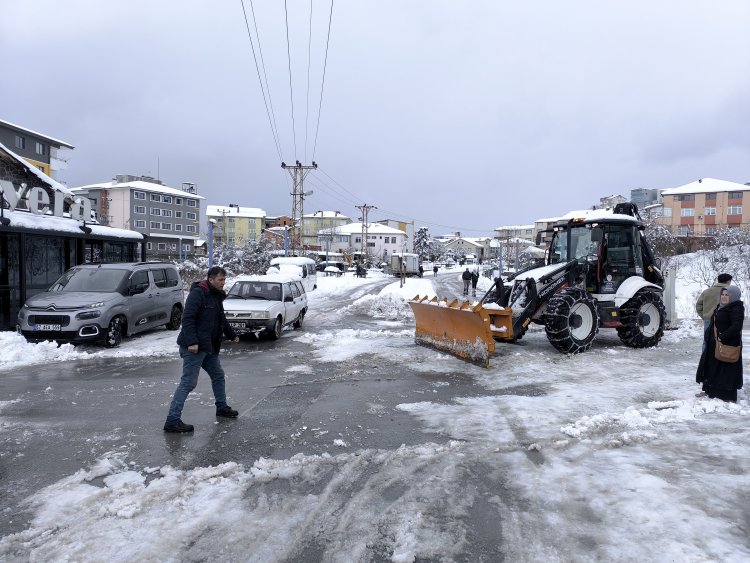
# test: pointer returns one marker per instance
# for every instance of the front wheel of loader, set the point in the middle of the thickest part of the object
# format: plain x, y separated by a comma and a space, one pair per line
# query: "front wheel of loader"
642, 318
571, 320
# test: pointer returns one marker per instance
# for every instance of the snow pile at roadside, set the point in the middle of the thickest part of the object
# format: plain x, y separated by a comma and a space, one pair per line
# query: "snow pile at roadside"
17, 352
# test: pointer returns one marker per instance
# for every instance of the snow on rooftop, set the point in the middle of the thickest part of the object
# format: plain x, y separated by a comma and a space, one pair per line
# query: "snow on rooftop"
705, 185
222, 210
36, 172
42, 135
372, 229
138, 185
28, 220
594, 214
326, 215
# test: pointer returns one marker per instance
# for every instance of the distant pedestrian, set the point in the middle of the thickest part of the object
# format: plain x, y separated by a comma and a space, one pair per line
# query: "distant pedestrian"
474, 282
434, 271
421, 270
466, 277
709, 300
721, 379
203, 325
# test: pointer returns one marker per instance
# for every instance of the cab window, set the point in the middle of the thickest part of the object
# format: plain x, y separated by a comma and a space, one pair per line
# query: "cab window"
138, 282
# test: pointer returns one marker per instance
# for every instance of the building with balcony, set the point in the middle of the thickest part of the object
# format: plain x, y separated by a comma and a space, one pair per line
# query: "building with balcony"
381, 240
169, 218
704, 206
37, 149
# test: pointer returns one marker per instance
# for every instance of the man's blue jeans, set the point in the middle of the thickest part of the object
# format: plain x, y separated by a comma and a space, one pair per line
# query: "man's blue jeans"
191, 367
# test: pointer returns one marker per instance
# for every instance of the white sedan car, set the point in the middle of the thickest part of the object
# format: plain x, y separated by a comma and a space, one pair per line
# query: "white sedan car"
265, 304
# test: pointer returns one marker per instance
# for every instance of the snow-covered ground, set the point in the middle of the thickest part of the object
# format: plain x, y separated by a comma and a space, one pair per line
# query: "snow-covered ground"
604, 456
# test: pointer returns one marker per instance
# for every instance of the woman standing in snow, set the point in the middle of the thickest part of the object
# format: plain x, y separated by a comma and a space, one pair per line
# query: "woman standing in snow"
722, 379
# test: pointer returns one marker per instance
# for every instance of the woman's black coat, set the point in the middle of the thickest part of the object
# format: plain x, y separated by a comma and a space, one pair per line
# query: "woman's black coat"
728, 321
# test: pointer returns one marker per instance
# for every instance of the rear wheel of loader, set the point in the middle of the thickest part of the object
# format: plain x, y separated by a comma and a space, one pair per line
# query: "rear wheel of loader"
642, 318
571, 321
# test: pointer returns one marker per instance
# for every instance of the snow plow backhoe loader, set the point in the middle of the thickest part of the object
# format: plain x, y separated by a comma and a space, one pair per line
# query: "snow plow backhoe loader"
599, 272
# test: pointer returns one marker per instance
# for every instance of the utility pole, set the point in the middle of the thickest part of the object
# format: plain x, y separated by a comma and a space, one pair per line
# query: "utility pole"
298, 172
364, 208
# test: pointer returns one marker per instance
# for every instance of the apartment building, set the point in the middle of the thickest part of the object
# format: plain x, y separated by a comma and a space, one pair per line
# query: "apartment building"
704, 206
314, 223
169, 218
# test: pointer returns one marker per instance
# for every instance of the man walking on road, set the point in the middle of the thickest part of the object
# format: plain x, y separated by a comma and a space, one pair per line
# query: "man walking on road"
203, 325
466, 277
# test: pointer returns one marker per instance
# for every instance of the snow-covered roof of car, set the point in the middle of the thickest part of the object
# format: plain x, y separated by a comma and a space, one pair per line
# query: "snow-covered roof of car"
281, 277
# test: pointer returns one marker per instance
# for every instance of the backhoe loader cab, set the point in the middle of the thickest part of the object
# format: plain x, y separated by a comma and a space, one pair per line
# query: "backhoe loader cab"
599, 272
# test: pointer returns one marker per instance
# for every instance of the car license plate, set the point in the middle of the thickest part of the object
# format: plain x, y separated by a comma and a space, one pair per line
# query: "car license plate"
47, 327
237, 325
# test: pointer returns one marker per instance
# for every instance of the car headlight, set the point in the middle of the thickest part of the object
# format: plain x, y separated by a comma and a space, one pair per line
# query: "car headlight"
266, 315
95, 305
88, 315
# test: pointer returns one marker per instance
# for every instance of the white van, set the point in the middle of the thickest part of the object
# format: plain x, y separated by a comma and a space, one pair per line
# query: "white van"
303, 267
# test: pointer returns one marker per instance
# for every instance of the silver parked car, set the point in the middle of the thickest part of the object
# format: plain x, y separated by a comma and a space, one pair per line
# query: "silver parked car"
104, 302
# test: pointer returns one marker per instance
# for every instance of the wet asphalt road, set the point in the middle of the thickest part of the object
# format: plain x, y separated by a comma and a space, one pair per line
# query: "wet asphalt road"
73, 413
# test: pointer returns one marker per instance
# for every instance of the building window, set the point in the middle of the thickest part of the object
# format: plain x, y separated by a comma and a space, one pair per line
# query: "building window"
685, 197
372, 244
166, 199
155, 197
140, 224
166, 212
683, 231
186, 248
192, 203
358, 239
140, 209
178, 214
139, 195
178, 201
190, 228
155, 225
161, 245
42, 149
177, 227
734, 210
711, 230
20, 142
156, 211
710, 211
190, 215
173, 245
667, 212
149, 246
710, 197
687, 212
735, 195
166, 226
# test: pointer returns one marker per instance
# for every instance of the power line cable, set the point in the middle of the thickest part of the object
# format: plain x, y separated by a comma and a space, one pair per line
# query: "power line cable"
405, 217
289, 64
262, 89
265, 76
307, 97
322, 84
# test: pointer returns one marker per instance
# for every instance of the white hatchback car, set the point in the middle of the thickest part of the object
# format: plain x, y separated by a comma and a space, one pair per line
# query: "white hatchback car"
265, 304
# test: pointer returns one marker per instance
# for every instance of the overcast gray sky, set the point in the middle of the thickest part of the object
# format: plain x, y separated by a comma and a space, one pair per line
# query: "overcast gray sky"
457, 115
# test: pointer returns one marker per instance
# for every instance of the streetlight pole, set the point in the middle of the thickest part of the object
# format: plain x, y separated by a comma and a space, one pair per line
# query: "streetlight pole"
211, 223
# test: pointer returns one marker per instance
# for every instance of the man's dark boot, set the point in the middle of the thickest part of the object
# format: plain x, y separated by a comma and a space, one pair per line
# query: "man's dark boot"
227, 411
177, 426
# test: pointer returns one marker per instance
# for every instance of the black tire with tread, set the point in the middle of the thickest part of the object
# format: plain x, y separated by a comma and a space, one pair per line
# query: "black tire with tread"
175, 318
275, 332
644, 305
564, 309
114, 332
298, 322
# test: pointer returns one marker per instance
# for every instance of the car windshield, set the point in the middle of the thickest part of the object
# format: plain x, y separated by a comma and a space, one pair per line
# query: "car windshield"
255, 290
104, 280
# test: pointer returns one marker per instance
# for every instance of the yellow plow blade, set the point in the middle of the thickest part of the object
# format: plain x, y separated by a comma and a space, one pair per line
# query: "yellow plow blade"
461, 329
